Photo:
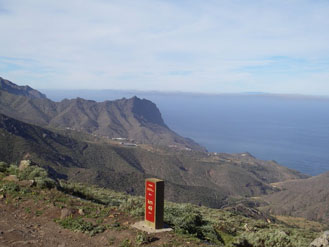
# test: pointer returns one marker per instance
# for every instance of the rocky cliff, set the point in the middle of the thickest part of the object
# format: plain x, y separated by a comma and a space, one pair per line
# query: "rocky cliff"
135, 119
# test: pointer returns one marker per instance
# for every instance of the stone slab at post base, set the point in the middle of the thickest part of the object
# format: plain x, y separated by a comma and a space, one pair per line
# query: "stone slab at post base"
141, 225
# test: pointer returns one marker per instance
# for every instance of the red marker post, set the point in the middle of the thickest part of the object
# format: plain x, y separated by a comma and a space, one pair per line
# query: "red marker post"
154, 202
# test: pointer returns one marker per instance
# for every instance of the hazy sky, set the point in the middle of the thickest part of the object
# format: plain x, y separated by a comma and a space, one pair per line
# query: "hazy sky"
279, 46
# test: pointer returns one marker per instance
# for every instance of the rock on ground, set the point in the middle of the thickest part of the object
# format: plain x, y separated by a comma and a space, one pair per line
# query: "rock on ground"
11, 178
24, 164
322, 241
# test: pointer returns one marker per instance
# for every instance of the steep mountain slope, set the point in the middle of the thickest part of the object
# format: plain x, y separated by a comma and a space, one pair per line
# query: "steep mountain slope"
190, 176
10, 87
308, 198
135, 119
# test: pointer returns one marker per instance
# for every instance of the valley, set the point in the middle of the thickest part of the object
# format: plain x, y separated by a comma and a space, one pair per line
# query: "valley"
117, 144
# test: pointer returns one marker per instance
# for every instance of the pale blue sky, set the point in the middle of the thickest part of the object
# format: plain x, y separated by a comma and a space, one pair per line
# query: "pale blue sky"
209, 46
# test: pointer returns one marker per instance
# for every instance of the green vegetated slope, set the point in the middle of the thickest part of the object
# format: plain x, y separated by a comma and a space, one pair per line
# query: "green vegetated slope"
196, 177
106, 216
137, 119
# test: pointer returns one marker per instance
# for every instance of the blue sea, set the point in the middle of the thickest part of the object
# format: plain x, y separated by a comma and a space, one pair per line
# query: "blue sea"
292, 130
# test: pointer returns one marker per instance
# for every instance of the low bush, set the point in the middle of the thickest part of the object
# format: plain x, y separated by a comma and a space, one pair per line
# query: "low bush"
3, 166
186, 219
13, 170
45, 183
80, 225
125, 243
10, 187
271, 238
143, 238
32, 172
36, 173
92, 193
133, 205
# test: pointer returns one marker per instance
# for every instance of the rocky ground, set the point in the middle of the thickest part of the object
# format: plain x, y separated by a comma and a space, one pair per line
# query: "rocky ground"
30, 222
36, 210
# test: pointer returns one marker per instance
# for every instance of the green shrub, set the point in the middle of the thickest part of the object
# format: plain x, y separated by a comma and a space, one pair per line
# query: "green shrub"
80, 225
3, 166
13, 170
125, 243
115, 225
134, 206
210, 234
272, 238
45, 183
186, 219
38, 174
10, 187
143, 238
32, 172
92, 193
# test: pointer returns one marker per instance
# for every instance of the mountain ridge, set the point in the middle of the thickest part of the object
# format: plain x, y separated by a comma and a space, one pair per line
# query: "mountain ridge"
198, 177
20, 90
135, 119
190, 176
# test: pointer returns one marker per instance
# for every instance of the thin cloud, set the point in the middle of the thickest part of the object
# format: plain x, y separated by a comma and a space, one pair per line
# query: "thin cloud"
199, 46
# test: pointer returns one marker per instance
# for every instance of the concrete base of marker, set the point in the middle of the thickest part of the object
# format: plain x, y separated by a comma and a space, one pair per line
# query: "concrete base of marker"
141, 225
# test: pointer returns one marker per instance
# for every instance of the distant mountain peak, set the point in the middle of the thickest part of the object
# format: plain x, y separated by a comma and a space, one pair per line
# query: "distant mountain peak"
134, 118
12, 88
146, 111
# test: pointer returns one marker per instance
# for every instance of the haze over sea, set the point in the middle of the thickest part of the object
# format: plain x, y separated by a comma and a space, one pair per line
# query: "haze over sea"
292, 130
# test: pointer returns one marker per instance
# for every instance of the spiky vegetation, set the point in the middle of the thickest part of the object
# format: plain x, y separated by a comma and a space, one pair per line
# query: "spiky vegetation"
221, 227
